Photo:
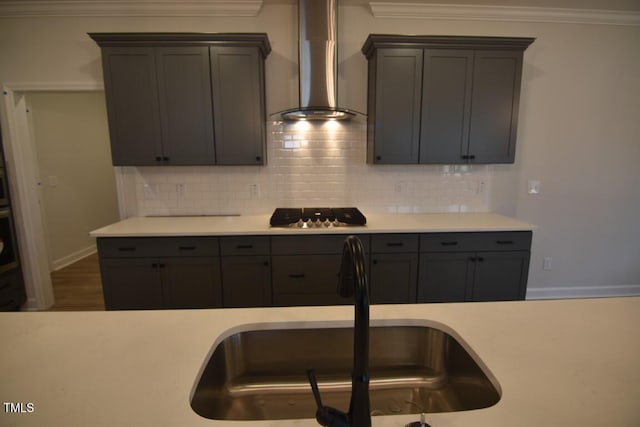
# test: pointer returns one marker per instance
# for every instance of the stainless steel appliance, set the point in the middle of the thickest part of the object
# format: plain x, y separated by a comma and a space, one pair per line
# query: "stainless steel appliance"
12, 290
8, 259
317, 217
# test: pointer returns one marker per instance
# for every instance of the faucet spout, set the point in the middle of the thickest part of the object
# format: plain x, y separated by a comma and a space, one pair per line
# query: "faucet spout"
352, 283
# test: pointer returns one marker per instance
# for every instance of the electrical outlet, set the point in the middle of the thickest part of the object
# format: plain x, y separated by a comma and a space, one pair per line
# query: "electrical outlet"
254, 191
401, 187
180, 190
150, 191
546, 263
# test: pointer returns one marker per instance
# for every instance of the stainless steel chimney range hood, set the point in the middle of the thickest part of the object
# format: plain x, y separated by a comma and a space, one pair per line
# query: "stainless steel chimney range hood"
317, 63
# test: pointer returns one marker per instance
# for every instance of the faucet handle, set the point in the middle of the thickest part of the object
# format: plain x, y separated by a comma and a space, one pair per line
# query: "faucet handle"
326, 415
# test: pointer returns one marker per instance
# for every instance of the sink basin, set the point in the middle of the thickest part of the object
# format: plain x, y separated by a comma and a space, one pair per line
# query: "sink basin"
261, 374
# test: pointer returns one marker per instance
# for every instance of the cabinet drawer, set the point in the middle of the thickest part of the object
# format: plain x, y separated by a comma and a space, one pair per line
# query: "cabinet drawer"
305, 274
244, 245
506, 241
394, 243
477, 241
135, 247
319, 244
288, 300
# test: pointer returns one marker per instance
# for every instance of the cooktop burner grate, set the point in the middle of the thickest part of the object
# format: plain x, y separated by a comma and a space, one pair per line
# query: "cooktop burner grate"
316, 217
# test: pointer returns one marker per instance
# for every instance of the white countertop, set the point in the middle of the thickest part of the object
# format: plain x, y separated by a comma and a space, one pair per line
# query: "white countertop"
259, 225
558, 363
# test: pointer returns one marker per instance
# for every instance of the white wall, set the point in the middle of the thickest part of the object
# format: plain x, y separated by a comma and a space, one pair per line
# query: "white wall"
78, 189
578, 131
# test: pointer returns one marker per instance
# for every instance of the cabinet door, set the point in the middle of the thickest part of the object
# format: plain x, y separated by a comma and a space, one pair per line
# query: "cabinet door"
184, 90
306, 280
494, 108
446, 105
445, 277
191, 282
237, 85
246, 281
132, 105
131, 283
500, 276
395, 125
393, 278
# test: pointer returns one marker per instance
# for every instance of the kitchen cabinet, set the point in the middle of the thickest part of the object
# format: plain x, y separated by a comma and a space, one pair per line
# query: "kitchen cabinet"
12, 292
435, 99
306, 269
394, 268
150, 273
289, 270
489, 266
185, 98
246, 271
237, 75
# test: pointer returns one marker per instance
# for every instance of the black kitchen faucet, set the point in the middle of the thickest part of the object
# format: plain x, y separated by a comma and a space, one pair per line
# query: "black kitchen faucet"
353, 282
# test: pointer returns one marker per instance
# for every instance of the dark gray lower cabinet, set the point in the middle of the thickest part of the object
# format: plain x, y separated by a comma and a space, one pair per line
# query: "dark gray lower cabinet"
306, 280
500, 276
300, 270
305, 269
473, 266
394, 268
247, 281
393, 278
157, 272
152, 283
246, 271
444, 277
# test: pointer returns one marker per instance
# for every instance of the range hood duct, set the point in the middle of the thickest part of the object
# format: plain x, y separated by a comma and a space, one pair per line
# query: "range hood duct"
317, 59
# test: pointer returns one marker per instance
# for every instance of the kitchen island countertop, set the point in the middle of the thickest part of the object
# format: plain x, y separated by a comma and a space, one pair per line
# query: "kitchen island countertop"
558, 363
259, 225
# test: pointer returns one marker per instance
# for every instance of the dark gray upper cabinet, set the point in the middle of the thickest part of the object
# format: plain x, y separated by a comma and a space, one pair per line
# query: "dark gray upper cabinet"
238, 86
443, 99
131, 82
184, 87
185, 98
395, 77
446, 107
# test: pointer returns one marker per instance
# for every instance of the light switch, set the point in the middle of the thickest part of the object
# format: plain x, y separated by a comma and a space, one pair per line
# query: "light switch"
533, 187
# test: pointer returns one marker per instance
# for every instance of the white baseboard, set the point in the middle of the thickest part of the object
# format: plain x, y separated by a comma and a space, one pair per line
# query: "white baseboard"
73, 257
560, 292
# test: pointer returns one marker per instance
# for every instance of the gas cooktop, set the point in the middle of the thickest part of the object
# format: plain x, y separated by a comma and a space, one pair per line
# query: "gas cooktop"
316, 217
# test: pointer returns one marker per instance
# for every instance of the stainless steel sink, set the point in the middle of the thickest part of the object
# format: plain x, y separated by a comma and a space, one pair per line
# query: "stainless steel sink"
261, 375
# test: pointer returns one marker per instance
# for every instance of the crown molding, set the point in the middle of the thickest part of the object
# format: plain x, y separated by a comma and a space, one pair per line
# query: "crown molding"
503, 13
122, 8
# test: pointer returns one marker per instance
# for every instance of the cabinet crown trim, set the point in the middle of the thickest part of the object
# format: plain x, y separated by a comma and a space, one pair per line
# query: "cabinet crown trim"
260, 40
377, 41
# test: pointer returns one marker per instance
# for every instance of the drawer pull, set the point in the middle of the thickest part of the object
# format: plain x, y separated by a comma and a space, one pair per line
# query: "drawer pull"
187, 248
296, 276
395, 244
244, 247
127, 249
449, 243
504, 242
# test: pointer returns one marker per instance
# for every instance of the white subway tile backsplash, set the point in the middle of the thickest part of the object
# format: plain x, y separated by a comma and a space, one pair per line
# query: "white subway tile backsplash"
312, 164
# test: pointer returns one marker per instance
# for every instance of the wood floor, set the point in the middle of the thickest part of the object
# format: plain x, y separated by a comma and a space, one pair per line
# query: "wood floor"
78, 287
